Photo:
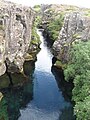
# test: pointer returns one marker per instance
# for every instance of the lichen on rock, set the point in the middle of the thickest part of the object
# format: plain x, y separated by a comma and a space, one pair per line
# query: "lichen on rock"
15, 35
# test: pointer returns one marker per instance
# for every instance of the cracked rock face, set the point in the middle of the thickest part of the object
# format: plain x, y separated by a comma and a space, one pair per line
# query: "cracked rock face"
15, 35
76, 28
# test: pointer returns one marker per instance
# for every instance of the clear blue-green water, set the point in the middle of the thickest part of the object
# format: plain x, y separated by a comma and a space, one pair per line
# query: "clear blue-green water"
40, 98
48, 101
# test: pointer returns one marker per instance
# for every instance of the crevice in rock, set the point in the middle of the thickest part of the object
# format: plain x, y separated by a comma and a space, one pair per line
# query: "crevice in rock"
19, 18
8, 74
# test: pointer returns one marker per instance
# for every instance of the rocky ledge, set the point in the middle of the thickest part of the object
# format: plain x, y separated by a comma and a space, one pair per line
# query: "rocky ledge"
76, 28
15, 35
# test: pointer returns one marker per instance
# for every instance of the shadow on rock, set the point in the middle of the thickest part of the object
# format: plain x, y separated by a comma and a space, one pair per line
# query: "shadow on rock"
64, 86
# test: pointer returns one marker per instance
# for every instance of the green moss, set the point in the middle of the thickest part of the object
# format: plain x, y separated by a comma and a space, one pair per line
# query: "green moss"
70, 9
76, 36
35, 39
1, 27
87, 12
4, 81
37, 21
18, 78
37, 8
28, 57
60, 64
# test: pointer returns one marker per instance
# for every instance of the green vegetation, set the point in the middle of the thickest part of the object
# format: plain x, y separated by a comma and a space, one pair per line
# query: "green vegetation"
50, 20
38, 21
35, 42
35, 37
87, 12
59, 64
54, 26
78, 70
37, 8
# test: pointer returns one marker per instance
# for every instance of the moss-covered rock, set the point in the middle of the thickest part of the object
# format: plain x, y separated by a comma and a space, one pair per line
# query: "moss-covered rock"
59, 64
4, 81
17, 80
35, 40
28, 57
1, 27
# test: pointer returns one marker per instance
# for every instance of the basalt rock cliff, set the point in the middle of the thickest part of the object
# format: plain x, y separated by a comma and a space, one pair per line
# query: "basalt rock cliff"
76, 28
15, 35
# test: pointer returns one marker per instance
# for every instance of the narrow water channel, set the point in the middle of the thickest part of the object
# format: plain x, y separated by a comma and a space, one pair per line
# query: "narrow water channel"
48, 101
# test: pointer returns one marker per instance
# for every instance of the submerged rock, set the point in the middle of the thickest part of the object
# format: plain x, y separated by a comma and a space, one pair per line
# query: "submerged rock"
76, 28
15, 35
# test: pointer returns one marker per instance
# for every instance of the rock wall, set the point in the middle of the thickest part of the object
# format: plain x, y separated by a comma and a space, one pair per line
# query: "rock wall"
76, 28
15, 35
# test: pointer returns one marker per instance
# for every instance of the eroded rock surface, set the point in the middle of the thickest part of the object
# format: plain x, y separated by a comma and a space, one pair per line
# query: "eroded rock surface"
76, 28
15, 35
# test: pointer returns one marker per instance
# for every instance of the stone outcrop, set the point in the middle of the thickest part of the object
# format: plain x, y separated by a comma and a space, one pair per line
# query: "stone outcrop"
76, 28
15, 35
